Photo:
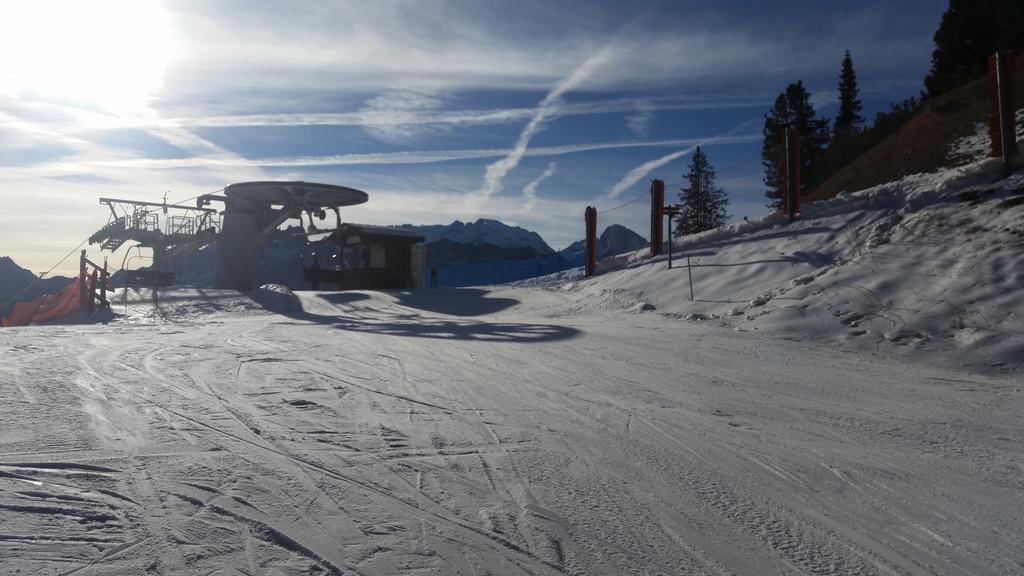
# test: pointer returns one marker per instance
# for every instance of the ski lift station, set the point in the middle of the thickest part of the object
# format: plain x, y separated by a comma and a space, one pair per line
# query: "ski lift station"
245, 216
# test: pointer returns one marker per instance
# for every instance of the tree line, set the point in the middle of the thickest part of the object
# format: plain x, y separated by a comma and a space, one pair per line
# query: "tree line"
969, 32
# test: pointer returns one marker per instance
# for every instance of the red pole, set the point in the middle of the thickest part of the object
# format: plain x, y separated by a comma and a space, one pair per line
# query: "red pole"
1001, 118
590, 218
657, 225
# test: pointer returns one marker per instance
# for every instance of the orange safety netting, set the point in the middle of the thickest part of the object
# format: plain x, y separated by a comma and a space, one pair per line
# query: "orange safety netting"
22, 313
47, 308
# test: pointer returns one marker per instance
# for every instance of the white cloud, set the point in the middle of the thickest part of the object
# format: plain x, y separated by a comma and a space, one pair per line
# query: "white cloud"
370, 117
243, 60
377, 46
824, 99
639, 121
395, 116
226, 160
410, 115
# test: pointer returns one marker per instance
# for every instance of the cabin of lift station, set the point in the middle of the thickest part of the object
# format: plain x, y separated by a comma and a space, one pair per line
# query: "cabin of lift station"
252, 212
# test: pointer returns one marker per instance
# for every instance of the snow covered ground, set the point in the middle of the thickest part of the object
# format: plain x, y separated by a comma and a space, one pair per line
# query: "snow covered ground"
842, 396
490, 431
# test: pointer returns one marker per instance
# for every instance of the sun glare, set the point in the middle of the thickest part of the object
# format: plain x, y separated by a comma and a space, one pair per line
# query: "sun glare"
109, 54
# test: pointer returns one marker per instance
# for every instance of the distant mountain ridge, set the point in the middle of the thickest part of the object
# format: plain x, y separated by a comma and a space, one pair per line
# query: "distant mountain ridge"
483, 231
14, 279
616, 239
444, 252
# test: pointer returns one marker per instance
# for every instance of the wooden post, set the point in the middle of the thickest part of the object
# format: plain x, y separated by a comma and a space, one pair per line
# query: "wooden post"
91, 296
689, 273
657, 201
590, 218
1002, 118
104, 278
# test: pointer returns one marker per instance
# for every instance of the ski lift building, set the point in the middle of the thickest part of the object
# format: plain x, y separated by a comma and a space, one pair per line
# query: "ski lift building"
371, 258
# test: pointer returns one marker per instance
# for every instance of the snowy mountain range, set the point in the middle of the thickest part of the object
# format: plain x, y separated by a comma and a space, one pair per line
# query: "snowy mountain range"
489, 251
483, 231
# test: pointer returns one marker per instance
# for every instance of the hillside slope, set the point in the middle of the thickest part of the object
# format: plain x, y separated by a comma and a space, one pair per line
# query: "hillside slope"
924, 144
930, 267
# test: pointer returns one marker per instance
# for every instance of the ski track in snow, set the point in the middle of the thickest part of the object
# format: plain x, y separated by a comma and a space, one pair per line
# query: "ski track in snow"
378, 434
843, 397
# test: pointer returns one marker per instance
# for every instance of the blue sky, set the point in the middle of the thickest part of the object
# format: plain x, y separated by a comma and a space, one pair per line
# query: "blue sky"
525, 111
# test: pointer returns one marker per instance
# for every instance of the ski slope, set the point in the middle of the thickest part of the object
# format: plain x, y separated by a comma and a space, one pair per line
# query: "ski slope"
490, 431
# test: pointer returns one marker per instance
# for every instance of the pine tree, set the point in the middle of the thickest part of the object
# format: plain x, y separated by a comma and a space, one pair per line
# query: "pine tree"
849, 120
792, 108
705, 206
775, 123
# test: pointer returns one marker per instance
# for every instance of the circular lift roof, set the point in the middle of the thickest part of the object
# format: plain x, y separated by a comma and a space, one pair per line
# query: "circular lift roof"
308, 195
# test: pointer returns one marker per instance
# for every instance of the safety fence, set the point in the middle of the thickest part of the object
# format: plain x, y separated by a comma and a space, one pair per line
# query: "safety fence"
87, 292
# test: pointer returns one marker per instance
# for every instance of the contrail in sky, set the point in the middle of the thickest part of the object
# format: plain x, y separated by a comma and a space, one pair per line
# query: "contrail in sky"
546, 110
634, 175
530, 190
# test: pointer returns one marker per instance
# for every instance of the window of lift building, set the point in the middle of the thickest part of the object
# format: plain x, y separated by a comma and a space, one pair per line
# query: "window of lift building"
378, 258
352, 257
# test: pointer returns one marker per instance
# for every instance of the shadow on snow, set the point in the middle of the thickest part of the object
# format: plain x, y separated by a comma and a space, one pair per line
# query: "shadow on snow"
459, 302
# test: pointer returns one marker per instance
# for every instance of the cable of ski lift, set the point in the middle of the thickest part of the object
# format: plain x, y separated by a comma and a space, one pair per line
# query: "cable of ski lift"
623, 205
